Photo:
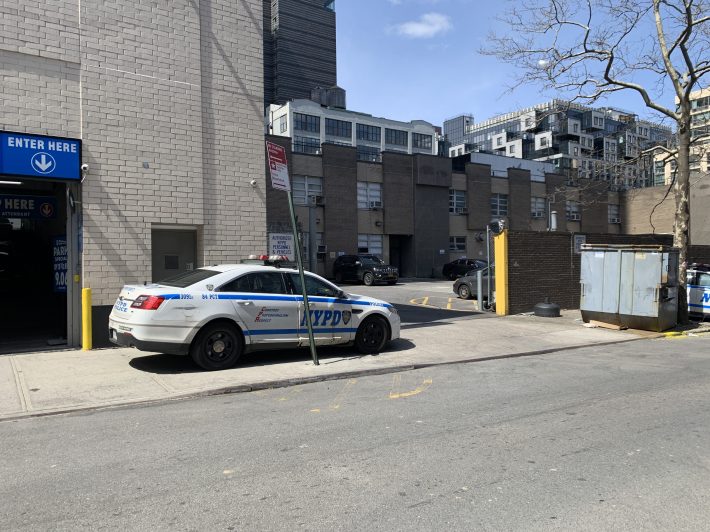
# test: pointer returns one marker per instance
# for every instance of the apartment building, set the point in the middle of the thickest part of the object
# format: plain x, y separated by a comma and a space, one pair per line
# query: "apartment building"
130, 131
311, 124
583, 142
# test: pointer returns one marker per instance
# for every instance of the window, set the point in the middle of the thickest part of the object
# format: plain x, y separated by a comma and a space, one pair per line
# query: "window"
538, 207
370, 133
368, 153
257, 283
575, 150
422, 142
306, 145
499, 205
303, 122
543, 142
511, 148
338, 128
305, 186
457, 243
528, 122
575, 128
396, 137
572, 211
281, 124
314, 287
499, 141
614, 214
457, 201
371, 244
369, 195
185, 279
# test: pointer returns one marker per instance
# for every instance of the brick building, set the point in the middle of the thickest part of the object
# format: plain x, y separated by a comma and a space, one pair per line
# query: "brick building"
431, 209
167, 101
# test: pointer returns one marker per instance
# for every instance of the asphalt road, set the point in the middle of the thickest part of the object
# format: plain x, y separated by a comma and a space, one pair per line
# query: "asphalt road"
615, 438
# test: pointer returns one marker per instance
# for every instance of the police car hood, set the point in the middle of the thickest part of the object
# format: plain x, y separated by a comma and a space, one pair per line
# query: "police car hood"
367, 299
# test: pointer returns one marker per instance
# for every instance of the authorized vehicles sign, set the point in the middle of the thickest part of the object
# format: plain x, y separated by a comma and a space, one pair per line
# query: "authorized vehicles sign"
282, 244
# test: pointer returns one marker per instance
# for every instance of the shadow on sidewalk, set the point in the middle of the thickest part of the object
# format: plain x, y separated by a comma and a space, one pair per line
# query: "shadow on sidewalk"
173, 364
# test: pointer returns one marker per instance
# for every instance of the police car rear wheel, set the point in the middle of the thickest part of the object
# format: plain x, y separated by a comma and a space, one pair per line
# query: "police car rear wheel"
217, 346
372, 335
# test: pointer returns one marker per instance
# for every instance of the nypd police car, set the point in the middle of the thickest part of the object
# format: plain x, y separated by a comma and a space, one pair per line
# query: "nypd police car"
698, 287
216, 313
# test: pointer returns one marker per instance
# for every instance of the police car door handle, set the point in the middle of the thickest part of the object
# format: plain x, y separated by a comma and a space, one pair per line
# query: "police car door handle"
244, 303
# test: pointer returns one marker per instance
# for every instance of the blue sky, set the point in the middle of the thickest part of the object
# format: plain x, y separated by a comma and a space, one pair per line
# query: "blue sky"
419, 59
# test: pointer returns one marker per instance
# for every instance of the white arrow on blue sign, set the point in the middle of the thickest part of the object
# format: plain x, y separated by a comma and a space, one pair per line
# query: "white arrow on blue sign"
44, 163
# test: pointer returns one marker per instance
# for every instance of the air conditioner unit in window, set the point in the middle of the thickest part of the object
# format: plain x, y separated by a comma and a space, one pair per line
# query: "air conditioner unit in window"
318, 200
322, 248
574, 217
461, 210
614, 220
537, 214
375, 204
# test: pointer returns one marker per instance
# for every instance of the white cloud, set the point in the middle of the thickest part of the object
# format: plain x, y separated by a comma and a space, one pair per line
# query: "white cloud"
428, 26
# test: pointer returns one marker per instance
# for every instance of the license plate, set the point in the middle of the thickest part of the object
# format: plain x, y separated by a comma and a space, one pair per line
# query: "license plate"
121, 306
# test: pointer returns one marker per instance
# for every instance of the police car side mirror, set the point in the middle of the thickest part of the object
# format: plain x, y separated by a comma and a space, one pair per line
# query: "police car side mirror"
341, 295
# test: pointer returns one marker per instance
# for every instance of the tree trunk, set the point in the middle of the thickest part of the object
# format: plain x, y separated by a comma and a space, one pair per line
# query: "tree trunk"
681, 229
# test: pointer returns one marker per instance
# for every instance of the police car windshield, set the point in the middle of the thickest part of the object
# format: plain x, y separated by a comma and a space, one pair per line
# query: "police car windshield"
185, 279
370, 259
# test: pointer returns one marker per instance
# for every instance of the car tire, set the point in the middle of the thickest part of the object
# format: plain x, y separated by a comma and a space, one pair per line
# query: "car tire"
372, 335
464, 292
368, 279
339, 277
217, 346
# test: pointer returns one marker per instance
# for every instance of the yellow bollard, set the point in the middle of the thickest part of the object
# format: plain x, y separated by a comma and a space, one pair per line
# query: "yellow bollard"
500, 243
86, 319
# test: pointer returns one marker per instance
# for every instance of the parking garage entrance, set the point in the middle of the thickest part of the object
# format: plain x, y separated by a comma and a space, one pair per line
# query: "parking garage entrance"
33, 265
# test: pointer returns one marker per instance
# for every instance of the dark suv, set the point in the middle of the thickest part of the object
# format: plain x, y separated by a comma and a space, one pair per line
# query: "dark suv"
368, 269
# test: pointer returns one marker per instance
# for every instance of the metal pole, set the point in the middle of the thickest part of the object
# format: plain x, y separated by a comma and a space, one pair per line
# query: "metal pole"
312, 245
488, 256
479, 288
299, 261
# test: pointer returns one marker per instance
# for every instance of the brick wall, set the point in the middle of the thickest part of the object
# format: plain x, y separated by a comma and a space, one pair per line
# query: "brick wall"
544, 265
168, 100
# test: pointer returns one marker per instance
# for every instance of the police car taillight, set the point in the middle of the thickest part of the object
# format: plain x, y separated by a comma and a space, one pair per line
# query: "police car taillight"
148, 302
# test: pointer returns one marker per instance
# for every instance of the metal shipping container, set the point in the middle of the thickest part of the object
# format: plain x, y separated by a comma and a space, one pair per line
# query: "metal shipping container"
630, 286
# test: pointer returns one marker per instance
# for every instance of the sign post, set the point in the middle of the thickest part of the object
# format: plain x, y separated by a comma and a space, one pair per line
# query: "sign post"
278, 167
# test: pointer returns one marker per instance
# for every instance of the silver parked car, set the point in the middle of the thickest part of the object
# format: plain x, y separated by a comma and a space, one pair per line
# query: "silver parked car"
466, 287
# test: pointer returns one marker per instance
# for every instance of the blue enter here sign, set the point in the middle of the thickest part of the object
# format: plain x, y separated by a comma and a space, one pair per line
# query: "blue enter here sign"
39, 156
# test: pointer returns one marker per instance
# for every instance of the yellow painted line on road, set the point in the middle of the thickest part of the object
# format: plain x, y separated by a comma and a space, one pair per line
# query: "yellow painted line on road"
423, 301
396, 383
448, 305
315, 410
335, 405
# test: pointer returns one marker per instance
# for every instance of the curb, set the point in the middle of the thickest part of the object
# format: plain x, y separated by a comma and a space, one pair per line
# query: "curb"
284, 383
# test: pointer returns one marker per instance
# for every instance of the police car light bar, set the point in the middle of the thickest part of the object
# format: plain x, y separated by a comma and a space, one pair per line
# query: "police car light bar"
148, 302
273, 258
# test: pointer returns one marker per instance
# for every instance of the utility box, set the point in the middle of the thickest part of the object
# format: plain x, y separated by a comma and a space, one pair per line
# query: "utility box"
630, 286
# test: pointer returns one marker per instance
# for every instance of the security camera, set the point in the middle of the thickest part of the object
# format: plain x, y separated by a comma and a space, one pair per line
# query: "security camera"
253, 182
84, 167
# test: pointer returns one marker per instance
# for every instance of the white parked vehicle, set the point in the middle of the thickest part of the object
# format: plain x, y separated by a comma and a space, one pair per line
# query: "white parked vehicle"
216, 313
699, 290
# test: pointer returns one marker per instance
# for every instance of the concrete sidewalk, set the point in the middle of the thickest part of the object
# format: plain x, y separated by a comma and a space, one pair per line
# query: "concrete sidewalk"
63, 381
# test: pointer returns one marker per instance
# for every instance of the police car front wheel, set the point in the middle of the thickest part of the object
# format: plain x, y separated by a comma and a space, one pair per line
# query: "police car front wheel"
372, 335
217, 346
